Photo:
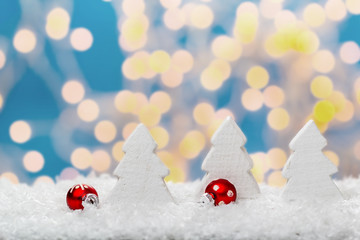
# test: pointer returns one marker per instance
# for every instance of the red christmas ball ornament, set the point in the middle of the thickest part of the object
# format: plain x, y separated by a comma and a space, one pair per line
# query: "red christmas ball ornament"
81, 194
219, 192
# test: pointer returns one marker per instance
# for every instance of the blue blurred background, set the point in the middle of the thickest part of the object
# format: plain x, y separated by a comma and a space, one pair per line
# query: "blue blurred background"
76, 77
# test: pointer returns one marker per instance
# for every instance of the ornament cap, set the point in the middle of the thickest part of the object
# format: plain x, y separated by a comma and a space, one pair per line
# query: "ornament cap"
207, 199
90, 199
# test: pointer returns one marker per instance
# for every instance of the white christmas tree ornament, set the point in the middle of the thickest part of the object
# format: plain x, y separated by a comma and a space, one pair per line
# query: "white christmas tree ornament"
140, 172
308, 170
228, 159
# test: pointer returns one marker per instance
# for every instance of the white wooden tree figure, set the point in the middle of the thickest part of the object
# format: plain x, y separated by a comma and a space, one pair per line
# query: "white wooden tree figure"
140, 172
308, 170
228, 159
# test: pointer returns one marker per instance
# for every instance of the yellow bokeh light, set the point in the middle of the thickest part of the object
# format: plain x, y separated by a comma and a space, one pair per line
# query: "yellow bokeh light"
11, 177
201, 16
159, 61
276, 158
334, 158
252, 99
141, 100
274, 96
260, 166
20, 131
125, 101
322, 126
162, 100
323, 61
211, 79
81, 158
161, 136
335, 10
257, 77
81, 39
314, 15
176, 175
128, 129
321, 87
324, 111
353, 6
226, 48
150, 115
132, 45
278, 119
172, 77
245, 28
57, 23
101, 161
134, 29
105, 131
213, 126
133, 68
192, 144
167, 158
2, 59
133, 8
182, 61
73, 91
24, 41
350, 52
174, 18
88, 110
203, 113
33, 161
338, 100
276, 179
117, 151
347, 113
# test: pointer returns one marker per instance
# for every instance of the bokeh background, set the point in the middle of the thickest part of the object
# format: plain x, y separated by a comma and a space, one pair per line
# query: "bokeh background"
76, 77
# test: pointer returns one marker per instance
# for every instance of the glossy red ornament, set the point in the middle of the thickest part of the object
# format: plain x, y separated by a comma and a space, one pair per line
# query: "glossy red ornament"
80, 194
219, 192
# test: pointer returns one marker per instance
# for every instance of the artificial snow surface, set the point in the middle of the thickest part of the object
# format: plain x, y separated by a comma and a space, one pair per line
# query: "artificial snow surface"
40, 212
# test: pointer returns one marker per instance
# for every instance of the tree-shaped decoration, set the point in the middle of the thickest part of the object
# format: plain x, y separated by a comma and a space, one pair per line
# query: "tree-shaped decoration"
308, 170
228, 159
140, 172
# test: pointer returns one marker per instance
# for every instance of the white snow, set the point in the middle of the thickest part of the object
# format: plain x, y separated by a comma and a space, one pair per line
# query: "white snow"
40, 212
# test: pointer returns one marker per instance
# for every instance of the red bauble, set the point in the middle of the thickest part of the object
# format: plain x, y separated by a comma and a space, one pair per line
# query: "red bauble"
79, 194
220, 191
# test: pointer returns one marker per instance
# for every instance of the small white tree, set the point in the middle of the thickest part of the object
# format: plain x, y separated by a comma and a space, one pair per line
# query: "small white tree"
140, 172
308, 170
228, 159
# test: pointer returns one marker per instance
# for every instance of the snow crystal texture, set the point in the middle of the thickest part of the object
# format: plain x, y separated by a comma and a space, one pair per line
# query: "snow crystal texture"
40, 212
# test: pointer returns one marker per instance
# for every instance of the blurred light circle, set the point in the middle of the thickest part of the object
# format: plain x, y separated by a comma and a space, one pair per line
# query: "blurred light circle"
333, 157
213, 126
174, 18
117, 151
347, 113
274, 96
172, 77
314, 15
101, 161
192, 144
128, 129
162, 100
11, 177
324, 111
105, 131
150, 115
73, 92
170, 3
33, 161
223, 113
247, 7
203, 113
134, 29
278, 119
338, 100
125, 101
167, 158
284, 18
276, 179
130, 46
176, 175
211, 79
353, 6
2, 59
323, 61
133, 7
1, 101
69, 173
226, 48
81, 39
161, 136
201, 16
335, 10
133, 68
44, 179
20, 131
88, 110
321, 87
182, 61
350, 52
307, 42
57, 23
24, 41
141, 100
81, 158
269, 8
252, 99
245, 27
276, 158
257, 77
357, 150
159, 61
